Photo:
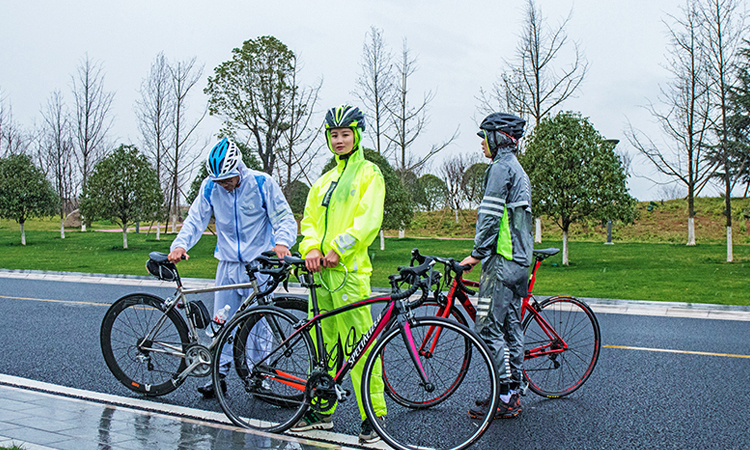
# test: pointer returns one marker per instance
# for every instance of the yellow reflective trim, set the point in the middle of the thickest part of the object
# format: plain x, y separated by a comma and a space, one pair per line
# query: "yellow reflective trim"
504, 241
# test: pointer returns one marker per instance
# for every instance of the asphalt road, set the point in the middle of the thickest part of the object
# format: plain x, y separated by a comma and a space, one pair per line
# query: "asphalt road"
636, 398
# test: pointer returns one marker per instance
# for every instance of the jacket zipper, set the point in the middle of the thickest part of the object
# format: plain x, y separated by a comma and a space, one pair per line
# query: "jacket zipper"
330, 197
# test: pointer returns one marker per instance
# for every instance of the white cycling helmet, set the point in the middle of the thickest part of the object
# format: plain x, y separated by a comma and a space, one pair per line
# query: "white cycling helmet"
223, 160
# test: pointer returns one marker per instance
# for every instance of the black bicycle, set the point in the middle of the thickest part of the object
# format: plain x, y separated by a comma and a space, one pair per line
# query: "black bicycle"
276, 381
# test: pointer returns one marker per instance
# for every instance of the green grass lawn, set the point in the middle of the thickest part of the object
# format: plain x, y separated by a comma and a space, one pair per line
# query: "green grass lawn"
635, 271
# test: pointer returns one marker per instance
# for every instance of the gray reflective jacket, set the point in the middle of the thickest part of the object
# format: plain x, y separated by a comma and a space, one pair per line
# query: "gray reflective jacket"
504, 218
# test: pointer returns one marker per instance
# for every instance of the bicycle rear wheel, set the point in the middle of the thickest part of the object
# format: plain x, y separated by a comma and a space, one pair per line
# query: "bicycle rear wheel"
143, 357
295, 306
426, 347
263, 392
404, 427
557, 367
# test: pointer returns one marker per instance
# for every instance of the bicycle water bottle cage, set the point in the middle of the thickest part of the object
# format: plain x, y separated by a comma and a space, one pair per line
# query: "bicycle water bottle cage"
159, 266
198, 313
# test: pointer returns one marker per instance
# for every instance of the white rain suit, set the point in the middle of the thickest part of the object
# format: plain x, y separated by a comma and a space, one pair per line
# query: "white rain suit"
252, 218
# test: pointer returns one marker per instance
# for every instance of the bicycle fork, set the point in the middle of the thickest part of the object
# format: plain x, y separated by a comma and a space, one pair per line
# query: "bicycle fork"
406, 335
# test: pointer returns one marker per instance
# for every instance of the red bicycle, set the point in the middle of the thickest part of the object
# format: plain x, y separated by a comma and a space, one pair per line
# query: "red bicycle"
561, 334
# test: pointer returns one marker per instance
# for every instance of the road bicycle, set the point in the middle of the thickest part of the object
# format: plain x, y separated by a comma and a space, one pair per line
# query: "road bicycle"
562, 340
151, 348
274, 383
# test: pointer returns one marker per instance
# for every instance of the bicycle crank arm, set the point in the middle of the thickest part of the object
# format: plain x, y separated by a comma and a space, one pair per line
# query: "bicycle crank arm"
189, 369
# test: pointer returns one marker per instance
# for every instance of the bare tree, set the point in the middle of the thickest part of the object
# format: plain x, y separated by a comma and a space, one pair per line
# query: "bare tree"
375, 85
91, 119
184, 76
532, 86
297, 153
452, 172
685, 118
155, 113
57, 152
409, 120
12, 139
723, 32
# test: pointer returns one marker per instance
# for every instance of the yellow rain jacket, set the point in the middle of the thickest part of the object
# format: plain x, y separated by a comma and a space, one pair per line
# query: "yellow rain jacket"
344, 212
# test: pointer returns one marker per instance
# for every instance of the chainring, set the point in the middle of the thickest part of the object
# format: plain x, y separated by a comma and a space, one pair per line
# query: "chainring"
320, 391
201, 354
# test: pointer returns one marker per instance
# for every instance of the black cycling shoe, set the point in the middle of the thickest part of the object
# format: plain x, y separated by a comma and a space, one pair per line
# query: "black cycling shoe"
208, 390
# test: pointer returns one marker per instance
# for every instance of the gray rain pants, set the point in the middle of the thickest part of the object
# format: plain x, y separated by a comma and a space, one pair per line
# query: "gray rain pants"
502, 287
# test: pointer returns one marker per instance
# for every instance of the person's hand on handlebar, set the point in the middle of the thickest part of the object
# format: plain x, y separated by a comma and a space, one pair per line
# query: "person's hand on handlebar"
331, 260
470, 261
177, 255
282, 251
313, 259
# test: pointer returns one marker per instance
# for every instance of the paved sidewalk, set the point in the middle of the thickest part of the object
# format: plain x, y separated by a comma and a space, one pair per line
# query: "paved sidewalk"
43, 416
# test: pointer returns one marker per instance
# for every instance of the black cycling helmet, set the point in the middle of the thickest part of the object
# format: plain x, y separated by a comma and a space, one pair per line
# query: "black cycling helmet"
501, 130
345, 116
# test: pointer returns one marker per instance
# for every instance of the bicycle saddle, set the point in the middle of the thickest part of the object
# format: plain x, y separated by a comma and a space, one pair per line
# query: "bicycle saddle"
545, 253
158, 257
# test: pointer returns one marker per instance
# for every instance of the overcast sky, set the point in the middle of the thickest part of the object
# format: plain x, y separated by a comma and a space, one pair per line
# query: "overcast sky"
461, 46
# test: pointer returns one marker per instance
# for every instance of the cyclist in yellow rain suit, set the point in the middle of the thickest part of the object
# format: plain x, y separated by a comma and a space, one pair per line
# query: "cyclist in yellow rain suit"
343, 214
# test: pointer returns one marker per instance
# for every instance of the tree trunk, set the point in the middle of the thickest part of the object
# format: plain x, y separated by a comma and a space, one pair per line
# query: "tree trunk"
83, 225
62, 228
565, 260
401, 233
730, 258
23, 235
538, 234
174, 223
158, 231
124, 238
691, 231
382, 240
456, 211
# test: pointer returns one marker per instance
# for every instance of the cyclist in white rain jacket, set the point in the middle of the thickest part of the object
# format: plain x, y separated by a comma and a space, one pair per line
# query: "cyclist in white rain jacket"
504, 245
251, 215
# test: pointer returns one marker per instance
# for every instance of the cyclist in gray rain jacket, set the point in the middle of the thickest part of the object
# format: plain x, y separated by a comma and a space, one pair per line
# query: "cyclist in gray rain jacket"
504, 245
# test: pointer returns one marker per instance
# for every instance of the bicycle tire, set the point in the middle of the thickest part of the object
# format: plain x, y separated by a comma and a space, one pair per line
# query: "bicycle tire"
555, 375
125, 324
244, 402
296, 305
408, 428
429, 308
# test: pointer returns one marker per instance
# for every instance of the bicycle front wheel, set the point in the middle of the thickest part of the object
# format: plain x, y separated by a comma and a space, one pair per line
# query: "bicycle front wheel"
144, 348
404, 427
561, 346
266, 390
427, 347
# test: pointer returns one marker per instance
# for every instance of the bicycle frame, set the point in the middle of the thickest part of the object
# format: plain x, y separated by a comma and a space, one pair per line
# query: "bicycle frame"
179, 301
393, 311
556, 345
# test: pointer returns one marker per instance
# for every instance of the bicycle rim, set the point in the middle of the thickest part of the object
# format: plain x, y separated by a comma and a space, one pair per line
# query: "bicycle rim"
263, 391
553, 371
152, 367
408, 428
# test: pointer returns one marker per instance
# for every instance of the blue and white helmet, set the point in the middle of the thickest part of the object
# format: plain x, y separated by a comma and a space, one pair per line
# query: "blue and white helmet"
223, 160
